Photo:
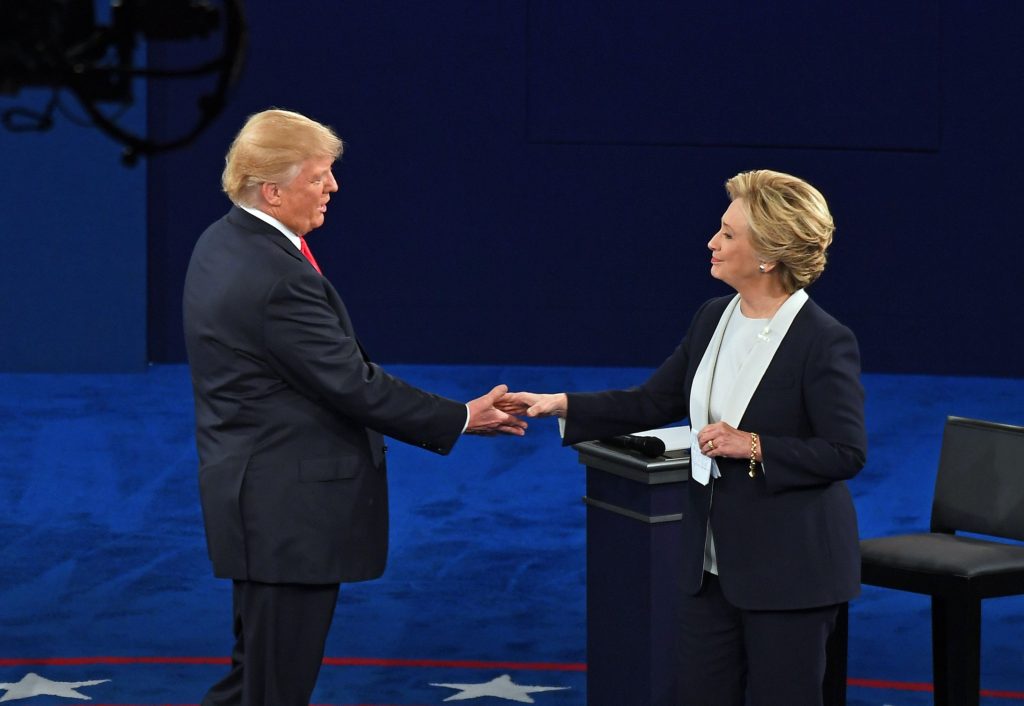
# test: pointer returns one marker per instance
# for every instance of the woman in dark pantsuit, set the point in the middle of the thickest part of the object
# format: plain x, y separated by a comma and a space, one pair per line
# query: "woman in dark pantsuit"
771, 385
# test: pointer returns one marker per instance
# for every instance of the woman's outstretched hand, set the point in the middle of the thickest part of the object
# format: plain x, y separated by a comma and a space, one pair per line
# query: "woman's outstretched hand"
534, 404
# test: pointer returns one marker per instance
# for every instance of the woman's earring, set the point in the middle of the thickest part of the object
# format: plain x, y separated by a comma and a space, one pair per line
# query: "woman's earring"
761, 267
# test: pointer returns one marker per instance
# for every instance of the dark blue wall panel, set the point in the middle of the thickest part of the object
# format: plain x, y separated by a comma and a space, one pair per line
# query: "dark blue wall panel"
862, 75
535, 182
73, 228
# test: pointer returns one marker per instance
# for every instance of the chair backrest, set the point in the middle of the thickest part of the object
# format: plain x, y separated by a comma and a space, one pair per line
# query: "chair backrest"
980, 484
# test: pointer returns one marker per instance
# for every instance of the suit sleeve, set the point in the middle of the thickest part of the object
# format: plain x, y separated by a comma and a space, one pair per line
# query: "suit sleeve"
657, 402
311, 351
836, 448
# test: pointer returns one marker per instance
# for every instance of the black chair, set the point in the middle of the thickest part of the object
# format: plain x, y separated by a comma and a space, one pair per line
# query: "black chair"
980, 490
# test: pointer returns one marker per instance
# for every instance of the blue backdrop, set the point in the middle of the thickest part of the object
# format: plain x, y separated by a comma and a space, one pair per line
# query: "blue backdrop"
73, 226
534, 181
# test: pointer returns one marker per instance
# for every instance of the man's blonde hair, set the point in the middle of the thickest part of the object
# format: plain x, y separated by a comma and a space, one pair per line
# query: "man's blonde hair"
271, 147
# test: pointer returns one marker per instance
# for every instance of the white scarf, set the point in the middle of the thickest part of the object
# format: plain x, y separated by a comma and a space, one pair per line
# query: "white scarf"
747, 380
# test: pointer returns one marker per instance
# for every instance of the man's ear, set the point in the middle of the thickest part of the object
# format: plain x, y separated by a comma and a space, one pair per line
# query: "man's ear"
270, 193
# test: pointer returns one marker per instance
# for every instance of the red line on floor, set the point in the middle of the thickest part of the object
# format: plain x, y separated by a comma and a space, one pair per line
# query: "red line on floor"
1000, 694
887, 684
925, 686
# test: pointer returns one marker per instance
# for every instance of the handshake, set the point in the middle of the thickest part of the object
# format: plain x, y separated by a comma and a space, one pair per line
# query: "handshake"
500, 411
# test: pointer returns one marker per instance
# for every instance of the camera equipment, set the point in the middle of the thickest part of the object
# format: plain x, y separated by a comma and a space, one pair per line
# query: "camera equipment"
59, 44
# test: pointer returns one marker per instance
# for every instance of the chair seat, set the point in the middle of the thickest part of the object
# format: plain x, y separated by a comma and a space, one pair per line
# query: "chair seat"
943, 554
979, 490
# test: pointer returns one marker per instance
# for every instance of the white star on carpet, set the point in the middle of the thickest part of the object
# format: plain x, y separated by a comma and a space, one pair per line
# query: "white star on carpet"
502, 687
34, 685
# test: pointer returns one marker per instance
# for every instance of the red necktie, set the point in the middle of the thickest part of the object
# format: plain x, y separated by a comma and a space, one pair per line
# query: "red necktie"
309, 255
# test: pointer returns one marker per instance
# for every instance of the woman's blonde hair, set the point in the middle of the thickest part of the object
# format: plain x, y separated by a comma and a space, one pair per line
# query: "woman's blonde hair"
271, 147
790, 223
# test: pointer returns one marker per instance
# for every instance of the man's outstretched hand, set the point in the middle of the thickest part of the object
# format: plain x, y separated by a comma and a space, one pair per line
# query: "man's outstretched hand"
487, 420
533, 404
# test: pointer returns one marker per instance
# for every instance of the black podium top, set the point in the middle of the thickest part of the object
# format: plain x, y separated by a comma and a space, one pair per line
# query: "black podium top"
673, 467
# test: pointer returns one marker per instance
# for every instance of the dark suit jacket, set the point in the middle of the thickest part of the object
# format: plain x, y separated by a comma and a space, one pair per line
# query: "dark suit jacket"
290, 412
787, 539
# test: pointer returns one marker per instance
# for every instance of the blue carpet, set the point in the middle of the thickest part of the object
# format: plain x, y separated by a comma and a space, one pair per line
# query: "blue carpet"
105, 575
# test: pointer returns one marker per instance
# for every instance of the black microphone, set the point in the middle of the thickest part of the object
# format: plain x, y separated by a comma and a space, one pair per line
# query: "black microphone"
650, 446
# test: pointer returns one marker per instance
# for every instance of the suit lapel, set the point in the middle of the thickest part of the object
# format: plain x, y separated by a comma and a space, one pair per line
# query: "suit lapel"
374, 438
761, 357
245, 220
334, 299
701, 467
336, 303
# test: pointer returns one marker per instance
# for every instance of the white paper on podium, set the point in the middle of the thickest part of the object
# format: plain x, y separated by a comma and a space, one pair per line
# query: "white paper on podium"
675, 438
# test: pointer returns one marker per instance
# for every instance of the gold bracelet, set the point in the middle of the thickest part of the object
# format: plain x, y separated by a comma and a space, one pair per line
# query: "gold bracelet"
752, 471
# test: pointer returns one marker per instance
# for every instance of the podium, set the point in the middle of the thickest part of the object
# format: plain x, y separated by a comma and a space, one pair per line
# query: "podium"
634, 507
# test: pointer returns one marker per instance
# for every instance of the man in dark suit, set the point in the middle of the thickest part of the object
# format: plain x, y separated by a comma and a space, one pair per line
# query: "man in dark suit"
290, 414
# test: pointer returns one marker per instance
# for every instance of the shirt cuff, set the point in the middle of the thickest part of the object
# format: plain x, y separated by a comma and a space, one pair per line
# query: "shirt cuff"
466, 425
